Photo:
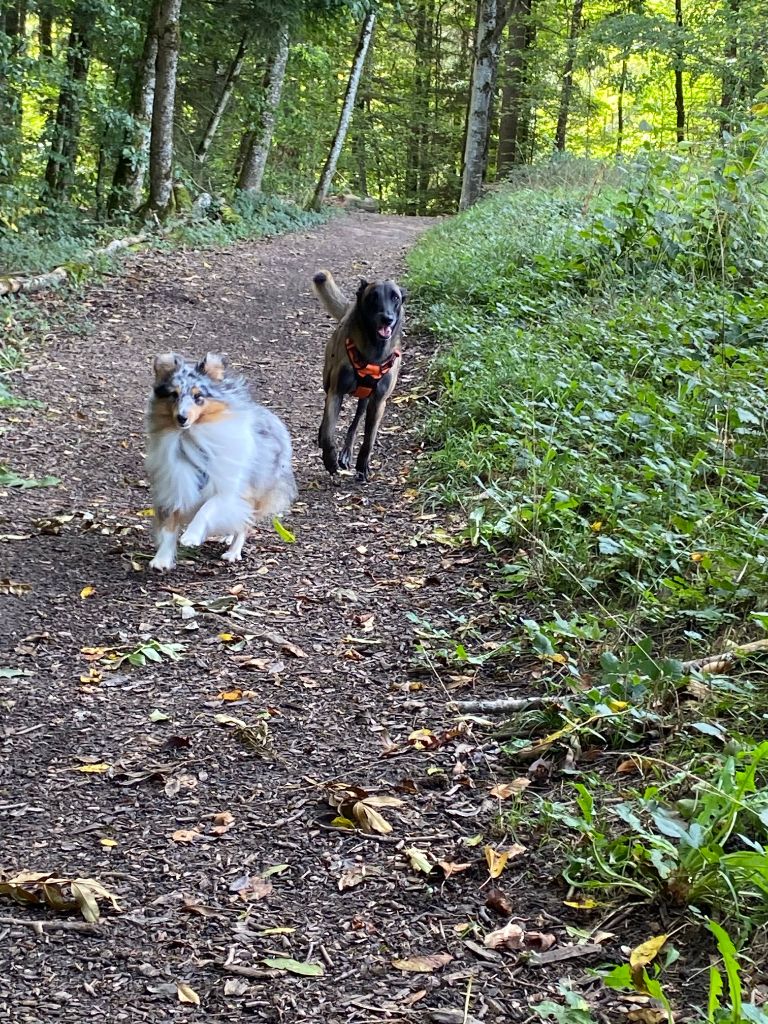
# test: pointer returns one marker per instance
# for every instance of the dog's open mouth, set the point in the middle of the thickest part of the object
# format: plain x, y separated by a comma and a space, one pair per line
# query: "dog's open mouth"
385, 332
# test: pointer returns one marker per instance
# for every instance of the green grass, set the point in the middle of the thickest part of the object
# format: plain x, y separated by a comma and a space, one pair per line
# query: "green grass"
601, 426
602, 420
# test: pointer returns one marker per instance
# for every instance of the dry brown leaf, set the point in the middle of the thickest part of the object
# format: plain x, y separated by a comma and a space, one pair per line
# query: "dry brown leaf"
542, 940
186, 835
505, 790
511, 936
351, 877
423, 964
451, 868
62, 894
15, 587
222, 822
496, 900
186, 994
370, 820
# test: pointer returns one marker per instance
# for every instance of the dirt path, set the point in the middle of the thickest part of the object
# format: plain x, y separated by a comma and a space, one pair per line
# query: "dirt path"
315, 633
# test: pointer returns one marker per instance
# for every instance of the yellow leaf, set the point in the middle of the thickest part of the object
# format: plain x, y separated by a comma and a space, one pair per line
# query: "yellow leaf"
88, 591
146, 513
496, 861
558, 659
186, 994
95, 676
226, 637
230, 695
94, 769
109, 843
646, 952
585, 903
597, 525
618, 705
342, 822
697, 556
282, 533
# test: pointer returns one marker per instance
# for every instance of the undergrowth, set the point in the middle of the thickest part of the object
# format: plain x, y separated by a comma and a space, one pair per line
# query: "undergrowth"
602, 428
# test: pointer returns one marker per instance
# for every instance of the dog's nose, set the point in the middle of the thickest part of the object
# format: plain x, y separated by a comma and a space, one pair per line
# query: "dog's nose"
181, 420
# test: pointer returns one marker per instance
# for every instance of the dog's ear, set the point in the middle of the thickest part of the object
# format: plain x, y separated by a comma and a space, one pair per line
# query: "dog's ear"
166, 364
361, 288
213, 366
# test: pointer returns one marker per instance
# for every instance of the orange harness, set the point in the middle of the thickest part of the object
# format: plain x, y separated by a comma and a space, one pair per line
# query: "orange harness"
365, 372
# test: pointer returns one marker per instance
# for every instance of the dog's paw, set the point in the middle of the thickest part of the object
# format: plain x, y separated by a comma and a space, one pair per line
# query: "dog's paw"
162, 563
232, 556
192, 538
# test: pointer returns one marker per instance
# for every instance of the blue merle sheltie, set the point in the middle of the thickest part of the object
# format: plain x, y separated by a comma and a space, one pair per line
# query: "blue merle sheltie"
216, 460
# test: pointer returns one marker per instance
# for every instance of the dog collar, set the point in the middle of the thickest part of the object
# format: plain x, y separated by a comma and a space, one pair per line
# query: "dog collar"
365, 372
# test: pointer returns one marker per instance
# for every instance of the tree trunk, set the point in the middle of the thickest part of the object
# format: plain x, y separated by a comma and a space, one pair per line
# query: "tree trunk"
128, 179
514, 124
222, 103
161, 135
566, 91
620, 106
345, 117
45, 16
679, 59
491, 19
13, 24
60, 170
730, 80
260, 137
417, 162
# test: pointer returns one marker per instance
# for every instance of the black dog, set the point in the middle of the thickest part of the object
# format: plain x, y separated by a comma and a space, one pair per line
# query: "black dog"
361, 360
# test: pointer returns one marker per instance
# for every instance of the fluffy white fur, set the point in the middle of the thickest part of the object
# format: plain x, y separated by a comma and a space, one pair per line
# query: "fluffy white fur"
216, 477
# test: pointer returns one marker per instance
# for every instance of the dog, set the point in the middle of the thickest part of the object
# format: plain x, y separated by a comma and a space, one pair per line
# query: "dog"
362, 360
216, 460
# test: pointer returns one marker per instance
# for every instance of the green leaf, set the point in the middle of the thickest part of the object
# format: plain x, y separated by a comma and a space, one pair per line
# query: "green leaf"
294, 966
281, 531
158, 716
14, 673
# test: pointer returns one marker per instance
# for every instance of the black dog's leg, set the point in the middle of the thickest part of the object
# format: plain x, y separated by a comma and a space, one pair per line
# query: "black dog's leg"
373, 420
345, 459
325, 437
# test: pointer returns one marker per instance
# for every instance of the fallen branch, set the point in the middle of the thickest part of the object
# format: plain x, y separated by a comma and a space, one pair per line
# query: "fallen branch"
721, 662
51, 926
28, 285
507, 704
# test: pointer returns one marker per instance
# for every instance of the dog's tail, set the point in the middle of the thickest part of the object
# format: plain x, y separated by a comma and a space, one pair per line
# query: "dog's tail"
329, 293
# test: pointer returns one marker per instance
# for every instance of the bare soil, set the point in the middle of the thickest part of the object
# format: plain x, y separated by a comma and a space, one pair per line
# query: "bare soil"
319, 637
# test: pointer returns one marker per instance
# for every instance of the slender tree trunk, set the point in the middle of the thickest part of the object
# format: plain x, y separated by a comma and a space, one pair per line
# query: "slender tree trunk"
491, 19
514, 124
233, 74
730, 80
345, 117
13, 25
359, 146
620, 106
128, 180
566, 89
45, 22
161, 136
416, 156
679, 61
60, 170
260, 137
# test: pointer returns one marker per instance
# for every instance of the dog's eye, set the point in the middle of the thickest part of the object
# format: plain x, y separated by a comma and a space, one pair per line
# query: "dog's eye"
199, 398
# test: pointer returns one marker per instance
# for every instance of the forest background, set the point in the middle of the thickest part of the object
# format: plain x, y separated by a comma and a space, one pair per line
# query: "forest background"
229, 97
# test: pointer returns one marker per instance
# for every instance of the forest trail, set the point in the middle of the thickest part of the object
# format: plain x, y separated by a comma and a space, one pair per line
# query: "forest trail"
327, 673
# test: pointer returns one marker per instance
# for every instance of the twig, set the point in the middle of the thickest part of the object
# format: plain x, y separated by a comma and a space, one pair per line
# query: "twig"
506, 704
719, 662
50, 926
249, 972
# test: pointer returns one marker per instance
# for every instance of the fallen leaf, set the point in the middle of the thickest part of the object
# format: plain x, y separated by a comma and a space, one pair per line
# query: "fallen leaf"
62, 894
93, 769
544, 940
186, 994
186, 835
419, 860
553, 956
370, 820
235, 987
282, 533
108, 843
224, 818
496, 900
504, 790
644, 955
582, 903
497, 859
158, 716
230, 695
424, 964
294, 966
88, 591
511, 936
451, 868
351, 877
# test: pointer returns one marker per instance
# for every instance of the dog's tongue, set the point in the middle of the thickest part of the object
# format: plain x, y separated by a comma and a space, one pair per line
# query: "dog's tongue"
385, 332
